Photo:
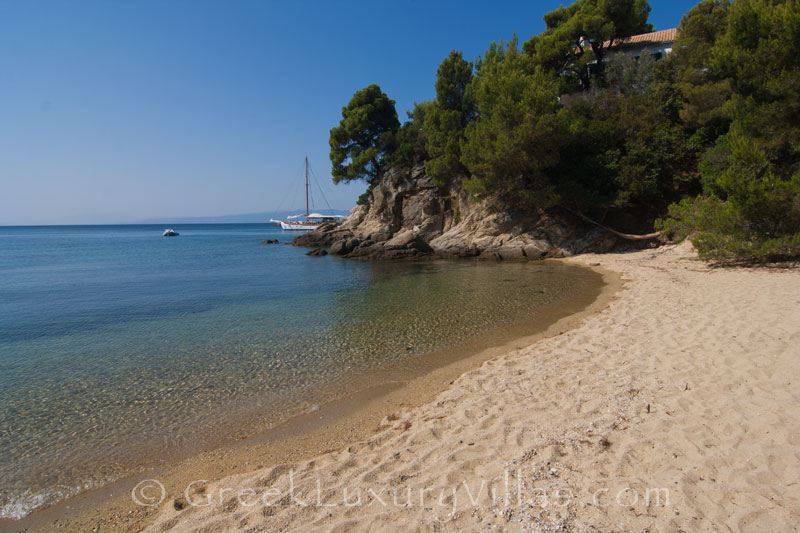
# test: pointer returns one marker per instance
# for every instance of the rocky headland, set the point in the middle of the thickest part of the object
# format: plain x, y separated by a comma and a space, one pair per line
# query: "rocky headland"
407, 215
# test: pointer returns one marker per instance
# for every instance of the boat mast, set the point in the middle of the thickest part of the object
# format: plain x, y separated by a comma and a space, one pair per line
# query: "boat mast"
306, 187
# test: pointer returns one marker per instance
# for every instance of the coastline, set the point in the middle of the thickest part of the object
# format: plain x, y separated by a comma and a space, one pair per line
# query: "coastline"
671, 408
336, 424
674, 408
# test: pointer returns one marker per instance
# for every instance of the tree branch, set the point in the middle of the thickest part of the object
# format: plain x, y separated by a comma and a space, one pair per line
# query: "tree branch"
627, 236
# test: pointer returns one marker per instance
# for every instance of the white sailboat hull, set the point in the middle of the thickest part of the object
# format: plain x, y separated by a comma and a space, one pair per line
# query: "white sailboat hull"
302, 226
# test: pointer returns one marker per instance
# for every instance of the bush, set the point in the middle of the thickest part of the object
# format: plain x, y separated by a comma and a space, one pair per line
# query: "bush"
751, 176
719, 231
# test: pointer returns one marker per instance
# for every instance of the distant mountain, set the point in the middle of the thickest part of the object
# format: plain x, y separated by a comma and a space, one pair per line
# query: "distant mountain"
247, 218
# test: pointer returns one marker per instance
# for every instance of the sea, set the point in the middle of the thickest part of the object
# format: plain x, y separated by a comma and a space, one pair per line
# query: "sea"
120, 347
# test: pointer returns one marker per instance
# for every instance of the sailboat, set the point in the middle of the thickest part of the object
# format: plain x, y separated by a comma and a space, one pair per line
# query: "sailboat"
312, 220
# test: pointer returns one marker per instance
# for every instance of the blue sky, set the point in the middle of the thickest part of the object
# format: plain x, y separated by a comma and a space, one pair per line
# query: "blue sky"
116, 111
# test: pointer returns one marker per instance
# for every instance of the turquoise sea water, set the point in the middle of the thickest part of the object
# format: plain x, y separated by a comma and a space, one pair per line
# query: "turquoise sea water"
119, 347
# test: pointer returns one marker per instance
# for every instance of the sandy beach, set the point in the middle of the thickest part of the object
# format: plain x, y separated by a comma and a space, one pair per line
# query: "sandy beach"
673, 409
672, 406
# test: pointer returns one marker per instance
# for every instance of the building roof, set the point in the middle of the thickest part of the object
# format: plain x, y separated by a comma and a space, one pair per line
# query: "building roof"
663, 36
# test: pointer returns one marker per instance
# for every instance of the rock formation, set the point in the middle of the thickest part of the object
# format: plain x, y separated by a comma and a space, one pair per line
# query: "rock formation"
407, 215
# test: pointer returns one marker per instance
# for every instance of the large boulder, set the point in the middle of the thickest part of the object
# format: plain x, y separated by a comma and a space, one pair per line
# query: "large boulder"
344, 246
322, 236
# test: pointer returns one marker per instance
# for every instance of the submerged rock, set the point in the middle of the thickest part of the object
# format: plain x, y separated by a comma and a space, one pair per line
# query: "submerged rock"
317, 251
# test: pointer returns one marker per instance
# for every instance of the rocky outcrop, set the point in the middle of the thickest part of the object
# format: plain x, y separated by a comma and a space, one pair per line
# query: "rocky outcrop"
407, 215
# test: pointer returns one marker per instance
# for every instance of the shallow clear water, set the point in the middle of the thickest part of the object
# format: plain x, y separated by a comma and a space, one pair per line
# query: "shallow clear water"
119, 346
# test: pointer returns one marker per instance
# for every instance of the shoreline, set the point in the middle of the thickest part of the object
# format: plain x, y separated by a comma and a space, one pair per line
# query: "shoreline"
338, 423
674, 408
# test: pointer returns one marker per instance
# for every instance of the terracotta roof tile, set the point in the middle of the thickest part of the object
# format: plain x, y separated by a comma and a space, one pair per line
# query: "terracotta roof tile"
652, 37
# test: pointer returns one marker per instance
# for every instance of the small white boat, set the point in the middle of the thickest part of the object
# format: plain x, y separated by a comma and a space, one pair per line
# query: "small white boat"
312, 220
169, 232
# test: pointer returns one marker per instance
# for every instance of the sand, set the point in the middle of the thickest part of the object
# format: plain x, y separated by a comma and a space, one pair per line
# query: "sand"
675, 407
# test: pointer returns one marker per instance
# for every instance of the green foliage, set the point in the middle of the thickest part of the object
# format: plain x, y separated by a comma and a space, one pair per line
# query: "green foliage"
586, 141
719, 231
452, 80
505, 147
363, 198
620, 147
444, 131
576, 35
704, 89
409, 146
447, 117
626, 75
365, 134
612, 148
752, 173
